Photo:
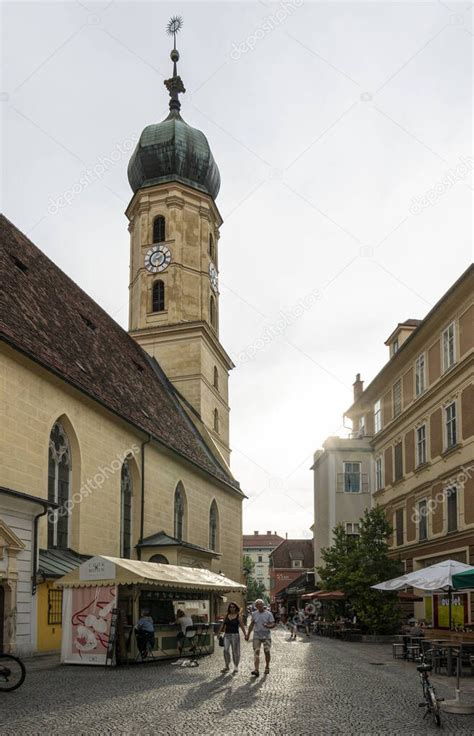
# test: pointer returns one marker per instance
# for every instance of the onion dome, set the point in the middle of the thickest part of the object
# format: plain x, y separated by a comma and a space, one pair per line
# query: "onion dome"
172, 150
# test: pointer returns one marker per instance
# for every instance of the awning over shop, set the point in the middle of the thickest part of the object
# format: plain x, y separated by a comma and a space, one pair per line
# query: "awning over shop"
116, 571
325, 595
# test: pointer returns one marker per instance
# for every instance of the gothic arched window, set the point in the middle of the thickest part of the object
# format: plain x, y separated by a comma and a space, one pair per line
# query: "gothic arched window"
216, 420
159, 229
179, 510
158, 297
126, 489
213, 526
59, 487
212, 249
212, 312
216, 378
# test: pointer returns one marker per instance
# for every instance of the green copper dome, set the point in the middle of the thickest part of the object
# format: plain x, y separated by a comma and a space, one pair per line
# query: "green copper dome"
174, 151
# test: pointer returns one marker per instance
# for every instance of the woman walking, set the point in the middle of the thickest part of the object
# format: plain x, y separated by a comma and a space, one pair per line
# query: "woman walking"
230, 627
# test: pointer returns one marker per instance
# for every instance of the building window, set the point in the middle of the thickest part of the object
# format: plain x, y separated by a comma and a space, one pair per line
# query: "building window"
126, 488
449, 348
179, 507
422, 520
212, 312
352, 528
399, 531
213, 526
420, 382
212, 248
352, 477
452, 511
397, 398
158, 297
59, 486
451, 431
297, 563
160, 559
395, 346
361, 432
398, 450
378, 474
159, 229
259, 558
421, 445
377, 416
216, 420
55, 607
216, 378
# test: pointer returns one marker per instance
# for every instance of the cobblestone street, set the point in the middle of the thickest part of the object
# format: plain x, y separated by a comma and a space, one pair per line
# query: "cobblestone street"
319, 686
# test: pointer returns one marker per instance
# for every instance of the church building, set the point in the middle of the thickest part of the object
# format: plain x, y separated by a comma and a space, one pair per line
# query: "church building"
113, 442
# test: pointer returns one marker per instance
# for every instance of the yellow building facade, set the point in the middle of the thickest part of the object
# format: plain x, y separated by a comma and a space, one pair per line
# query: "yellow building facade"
125, 435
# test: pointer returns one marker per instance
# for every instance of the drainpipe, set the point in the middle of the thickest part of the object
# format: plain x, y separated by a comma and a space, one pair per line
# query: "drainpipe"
35, 548
142, 505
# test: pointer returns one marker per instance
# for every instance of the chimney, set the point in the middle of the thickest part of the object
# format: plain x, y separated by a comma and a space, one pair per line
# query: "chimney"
358, 386
255, 532
269, 532
286, 535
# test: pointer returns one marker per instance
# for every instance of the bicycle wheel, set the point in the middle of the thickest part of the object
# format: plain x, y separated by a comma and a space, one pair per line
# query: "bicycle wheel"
12, 672
434, 706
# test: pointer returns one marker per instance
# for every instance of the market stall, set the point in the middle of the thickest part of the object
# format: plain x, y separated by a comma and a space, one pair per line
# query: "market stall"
105, 597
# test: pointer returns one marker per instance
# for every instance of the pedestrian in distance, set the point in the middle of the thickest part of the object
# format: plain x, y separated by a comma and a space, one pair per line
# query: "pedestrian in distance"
229, 629
294, 621
261, 625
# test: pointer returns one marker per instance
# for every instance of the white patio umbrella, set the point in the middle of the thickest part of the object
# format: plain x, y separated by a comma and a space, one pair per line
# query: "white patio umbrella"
437, 577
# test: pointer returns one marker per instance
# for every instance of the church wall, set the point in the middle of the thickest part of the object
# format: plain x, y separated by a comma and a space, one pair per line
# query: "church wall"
35, 399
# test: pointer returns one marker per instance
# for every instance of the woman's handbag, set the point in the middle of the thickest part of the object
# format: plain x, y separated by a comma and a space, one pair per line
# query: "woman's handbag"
221, 640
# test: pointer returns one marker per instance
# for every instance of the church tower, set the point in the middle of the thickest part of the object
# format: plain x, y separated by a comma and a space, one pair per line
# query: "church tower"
174, 259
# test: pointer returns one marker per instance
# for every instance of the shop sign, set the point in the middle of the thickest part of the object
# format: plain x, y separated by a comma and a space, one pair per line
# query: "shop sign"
97, 569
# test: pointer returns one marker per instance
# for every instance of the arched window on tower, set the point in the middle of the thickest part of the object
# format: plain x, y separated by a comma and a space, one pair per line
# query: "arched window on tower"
179, 511
158, 297
216, 378
213, 526
212, 248
212, 312
59, 487
159, 229
216, 420
126, 489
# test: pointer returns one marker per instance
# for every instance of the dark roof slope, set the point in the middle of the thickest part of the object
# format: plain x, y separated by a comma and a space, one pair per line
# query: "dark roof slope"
293, 549
161, 539
46, 315
54, 563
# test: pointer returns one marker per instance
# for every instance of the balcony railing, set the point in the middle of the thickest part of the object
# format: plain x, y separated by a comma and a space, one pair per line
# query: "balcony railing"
353, 482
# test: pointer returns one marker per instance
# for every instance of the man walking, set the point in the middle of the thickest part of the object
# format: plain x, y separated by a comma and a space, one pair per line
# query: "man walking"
262, 622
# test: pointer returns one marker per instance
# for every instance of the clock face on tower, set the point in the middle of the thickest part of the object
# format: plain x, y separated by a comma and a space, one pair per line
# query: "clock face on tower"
213, 277
157, 258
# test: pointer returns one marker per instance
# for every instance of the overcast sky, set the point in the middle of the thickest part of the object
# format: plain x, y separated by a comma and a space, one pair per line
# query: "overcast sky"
343, 136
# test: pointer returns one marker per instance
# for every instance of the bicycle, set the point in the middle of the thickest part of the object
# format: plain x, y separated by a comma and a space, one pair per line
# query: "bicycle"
12, 672
431, 701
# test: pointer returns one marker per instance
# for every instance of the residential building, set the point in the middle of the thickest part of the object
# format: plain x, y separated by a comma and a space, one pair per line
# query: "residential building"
124, 435
343, 484
258, 547
289, 561
419, 414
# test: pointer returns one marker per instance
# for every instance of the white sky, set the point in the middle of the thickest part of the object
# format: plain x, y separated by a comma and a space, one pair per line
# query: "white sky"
325, 123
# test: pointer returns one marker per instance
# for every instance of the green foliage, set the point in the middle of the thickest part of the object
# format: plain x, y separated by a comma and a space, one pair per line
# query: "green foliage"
353, 564
254, 589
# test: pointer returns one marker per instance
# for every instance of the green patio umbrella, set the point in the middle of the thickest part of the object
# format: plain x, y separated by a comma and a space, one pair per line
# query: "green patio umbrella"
463, 579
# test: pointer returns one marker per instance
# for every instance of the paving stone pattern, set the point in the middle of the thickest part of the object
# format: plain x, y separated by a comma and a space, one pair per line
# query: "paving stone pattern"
316, 686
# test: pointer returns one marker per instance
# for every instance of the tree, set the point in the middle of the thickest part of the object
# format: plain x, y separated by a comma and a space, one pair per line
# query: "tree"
254, 588
353, 564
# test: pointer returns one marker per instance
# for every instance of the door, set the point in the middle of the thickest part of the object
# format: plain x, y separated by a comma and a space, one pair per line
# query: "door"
2, 615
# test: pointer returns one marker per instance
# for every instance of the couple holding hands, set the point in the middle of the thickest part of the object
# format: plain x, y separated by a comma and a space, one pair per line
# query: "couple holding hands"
261, 625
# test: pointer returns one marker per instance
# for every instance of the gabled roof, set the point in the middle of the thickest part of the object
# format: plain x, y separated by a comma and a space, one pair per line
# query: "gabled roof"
45, 315
293, 549
161, 539
262, 540
54, 563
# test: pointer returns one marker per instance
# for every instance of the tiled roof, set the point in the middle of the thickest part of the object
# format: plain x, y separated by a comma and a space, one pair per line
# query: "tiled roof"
293, 549
54, 563
161, 539
44, 314
262, 540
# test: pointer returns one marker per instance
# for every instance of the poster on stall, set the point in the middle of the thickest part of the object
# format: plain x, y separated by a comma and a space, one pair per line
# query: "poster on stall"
87, 614
459, 610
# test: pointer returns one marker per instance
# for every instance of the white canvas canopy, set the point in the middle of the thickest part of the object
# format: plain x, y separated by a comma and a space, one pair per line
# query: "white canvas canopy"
437, 577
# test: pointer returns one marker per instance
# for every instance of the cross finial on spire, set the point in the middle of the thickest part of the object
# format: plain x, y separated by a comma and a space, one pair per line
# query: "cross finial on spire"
174, 85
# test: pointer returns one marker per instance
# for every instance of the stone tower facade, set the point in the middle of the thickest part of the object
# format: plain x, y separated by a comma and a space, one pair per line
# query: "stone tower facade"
174, 291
